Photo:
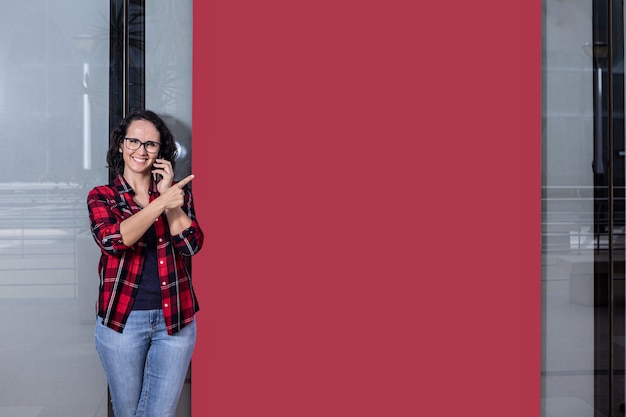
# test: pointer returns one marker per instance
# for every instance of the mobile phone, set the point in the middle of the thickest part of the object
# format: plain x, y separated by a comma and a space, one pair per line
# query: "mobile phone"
158, 177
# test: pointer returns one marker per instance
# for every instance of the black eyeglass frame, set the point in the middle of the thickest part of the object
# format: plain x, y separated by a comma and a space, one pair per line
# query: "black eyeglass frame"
144, 144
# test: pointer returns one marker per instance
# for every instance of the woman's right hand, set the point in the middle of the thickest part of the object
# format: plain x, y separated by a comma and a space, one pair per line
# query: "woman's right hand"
174, 196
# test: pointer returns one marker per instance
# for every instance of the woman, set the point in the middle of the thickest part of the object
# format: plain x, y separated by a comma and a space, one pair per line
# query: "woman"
146, 228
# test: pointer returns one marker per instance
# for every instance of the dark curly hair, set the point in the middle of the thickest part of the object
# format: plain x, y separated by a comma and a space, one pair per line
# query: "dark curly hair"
115, 159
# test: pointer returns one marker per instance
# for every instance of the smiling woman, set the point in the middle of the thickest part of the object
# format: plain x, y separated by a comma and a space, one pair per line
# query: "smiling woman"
146, 304
139, 141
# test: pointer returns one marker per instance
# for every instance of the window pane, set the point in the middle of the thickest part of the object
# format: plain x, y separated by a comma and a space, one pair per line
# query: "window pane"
54, 61
568, 367
168, 91
168, 71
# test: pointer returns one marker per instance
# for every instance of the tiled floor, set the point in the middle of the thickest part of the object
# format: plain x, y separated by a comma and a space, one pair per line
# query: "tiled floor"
569, 382
48, 363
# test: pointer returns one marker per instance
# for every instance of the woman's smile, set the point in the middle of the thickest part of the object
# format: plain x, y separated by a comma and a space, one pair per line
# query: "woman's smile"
137, 159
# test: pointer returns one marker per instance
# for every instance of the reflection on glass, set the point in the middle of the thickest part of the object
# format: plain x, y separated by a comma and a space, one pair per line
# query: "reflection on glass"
168, 91
569, 240
54, 120
168, 71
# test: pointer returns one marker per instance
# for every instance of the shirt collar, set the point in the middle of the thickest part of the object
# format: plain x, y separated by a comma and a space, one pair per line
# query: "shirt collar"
122, 186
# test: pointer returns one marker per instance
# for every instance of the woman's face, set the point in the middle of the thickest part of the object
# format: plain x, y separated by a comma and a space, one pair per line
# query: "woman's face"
140, 160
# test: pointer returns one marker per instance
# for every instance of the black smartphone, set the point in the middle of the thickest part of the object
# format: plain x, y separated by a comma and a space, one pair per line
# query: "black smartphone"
157, 177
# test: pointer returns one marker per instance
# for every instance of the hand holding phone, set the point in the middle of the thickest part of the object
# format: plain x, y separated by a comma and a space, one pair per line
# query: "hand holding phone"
163, 174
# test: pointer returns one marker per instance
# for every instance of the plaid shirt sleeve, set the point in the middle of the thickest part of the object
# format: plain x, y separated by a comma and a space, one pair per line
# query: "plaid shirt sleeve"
189, 241
119, 265
105, 216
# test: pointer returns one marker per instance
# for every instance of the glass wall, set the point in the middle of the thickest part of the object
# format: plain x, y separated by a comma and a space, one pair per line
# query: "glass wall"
54, 118
54, 60
583, 209
568, 210
168, 48
168, 71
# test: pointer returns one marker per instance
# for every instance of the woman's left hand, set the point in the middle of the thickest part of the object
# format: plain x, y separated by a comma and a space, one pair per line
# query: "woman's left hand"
163, 167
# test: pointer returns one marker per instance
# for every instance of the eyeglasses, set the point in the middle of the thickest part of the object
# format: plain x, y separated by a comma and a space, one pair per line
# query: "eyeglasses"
134, 144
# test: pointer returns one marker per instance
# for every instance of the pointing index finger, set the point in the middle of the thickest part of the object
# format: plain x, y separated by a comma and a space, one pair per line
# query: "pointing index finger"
184, 181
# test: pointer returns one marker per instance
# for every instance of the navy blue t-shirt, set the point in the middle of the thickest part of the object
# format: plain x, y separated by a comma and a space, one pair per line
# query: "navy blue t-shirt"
149, 293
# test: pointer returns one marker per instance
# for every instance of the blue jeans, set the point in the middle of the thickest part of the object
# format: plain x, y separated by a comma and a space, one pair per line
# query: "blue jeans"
144, 366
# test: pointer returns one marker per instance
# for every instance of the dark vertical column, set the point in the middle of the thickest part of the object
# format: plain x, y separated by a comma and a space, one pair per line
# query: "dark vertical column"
127, 59
608, 54
601, 166
117, 57
126, 65
135, 55
617, 193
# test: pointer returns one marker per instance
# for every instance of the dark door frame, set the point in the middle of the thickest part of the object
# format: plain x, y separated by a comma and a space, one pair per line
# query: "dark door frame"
609, 216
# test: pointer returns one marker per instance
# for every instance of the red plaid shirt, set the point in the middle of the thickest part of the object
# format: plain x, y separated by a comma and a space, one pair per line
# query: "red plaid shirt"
120, 266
